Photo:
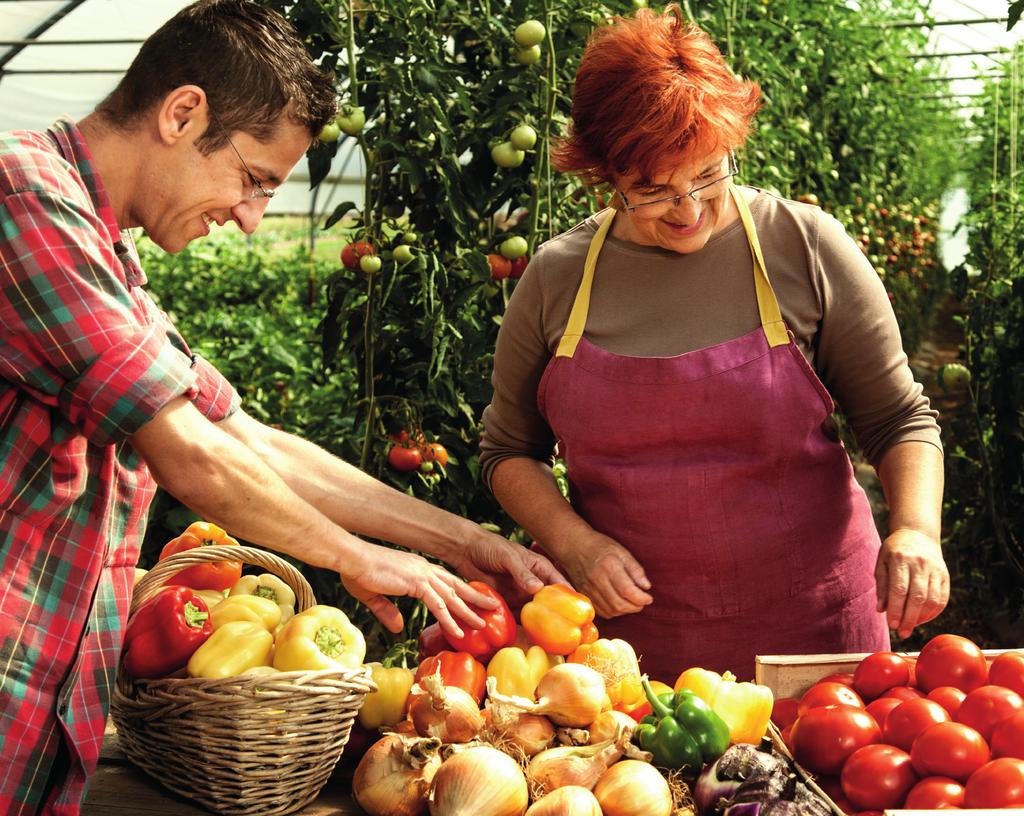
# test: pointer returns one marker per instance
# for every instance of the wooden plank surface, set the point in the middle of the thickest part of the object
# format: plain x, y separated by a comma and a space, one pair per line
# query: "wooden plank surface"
118, 788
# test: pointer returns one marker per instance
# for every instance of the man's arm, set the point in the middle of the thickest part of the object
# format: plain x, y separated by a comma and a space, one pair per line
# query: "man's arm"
360, 503
222, 480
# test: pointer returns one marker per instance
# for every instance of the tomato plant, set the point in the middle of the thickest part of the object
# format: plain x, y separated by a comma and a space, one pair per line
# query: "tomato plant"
877, 777
951, 660
935, 793
949, 749
825, 736
985, 707
354, 252
997, 784
879, 672
828, 693
909, 719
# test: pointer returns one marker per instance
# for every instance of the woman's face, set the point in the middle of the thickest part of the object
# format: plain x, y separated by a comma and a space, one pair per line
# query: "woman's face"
681, 224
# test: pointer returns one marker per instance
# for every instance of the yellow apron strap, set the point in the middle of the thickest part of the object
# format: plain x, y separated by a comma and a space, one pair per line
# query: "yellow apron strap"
581, 306
767, 304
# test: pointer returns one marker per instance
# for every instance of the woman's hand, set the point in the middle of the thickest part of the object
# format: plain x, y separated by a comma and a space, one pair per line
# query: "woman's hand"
911, 580
606, 572
381, 572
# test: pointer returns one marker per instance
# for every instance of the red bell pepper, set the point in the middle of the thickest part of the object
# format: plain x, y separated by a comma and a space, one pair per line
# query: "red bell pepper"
431, 641
499, 629
219, 575
165, 631
457, 669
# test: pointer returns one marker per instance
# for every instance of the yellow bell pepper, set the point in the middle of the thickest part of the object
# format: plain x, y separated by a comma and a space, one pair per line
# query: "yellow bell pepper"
230, 650
211, 596
559, 619
386, 705
321, 637
745, 707
615, 660
248, 608
518, 671
268, 585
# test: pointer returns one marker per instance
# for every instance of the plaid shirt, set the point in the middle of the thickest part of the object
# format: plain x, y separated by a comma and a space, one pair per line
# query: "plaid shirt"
86, 359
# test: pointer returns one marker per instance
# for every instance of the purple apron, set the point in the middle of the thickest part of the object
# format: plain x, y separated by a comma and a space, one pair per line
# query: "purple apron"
721, 471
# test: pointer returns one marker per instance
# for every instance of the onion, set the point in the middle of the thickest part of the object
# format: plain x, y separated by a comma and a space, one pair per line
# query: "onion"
394, 775
609, 725
479, 781
583, 766
446, 712
633, 788
572, 800
513, 730
569, 694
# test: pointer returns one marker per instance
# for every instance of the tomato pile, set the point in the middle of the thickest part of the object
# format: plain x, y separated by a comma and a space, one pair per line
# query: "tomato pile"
943, 731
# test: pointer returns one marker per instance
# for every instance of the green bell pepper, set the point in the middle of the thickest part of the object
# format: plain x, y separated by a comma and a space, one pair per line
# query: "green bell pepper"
683, 732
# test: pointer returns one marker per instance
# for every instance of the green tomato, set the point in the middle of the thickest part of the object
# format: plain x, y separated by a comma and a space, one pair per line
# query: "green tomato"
639, 4
506, 155
529, 33
402, 254
410, 237
953, 377
330, 133
370, 264
528, 56
514, 247
523, 137
351, 119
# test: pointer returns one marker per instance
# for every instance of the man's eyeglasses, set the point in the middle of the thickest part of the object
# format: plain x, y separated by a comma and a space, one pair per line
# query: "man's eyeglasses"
654, 205
257, 190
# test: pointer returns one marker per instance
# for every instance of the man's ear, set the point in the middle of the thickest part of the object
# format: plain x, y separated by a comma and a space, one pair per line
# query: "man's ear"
183, 114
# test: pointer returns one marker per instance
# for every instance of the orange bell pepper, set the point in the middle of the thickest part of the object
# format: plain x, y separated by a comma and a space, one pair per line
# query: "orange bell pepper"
559, 619
745, 707
616, 661
518, 671
457, 669
645, 707
218, 575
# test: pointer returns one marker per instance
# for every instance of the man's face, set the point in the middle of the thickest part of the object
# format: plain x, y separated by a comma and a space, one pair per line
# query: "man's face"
193, 191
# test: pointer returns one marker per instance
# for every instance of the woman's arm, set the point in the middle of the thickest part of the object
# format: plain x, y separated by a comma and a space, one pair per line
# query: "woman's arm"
911, 576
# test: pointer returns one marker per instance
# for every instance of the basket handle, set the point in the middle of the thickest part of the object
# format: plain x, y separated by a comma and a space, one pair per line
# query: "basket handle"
151, 583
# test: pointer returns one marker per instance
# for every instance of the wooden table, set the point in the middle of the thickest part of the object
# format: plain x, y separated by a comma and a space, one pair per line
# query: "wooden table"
120, 789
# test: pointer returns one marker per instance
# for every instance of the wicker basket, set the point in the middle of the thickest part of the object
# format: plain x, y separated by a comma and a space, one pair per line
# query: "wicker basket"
241, 745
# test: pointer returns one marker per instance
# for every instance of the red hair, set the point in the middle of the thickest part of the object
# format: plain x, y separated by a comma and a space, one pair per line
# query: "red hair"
650, 86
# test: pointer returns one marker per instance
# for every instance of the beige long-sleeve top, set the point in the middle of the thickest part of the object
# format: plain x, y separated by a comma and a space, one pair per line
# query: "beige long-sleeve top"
652, 302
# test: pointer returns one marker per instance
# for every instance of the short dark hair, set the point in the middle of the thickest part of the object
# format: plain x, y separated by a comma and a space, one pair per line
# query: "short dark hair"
248, 59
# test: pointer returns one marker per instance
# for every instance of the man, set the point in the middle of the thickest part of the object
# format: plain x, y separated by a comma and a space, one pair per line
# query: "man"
100, 397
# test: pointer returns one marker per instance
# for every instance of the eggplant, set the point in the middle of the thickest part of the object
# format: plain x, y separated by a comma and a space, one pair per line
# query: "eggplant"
780, 795
719, 781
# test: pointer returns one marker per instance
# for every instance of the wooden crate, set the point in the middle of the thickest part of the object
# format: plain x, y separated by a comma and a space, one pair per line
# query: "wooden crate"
792, 675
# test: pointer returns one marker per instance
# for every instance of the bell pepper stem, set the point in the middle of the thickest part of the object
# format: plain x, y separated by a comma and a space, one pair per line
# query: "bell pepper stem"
194, 616
329, 641
657, 706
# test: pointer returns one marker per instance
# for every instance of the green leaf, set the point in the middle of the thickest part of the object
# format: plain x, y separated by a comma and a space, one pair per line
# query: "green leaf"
339, 212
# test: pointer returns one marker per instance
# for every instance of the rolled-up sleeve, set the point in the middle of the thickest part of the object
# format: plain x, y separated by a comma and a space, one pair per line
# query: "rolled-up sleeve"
74, 334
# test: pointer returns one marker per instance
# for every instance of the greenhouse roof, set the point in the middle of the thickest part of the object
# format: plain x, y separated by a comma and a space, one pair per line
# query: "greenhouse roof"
63, 56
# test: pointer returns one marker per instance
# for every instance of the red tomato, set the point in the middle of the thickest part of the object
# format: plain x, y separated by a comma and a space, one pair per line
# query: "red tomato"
828, 693
846, 678
351, 254
949, 749
951, 660
404, 459
501, 267
784, 712
949, 697
987, 706
825, 736
902, 693
1008, 737
518, 266
435, 452
877, 777
1008, 670
935, 793
881, 708
999, 784
909, 719
879, 672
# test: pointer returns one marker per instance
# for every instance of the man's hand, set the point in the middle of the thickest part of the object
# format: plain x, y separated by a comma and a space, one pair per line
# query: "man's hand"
912, 582
381, 572
607, 573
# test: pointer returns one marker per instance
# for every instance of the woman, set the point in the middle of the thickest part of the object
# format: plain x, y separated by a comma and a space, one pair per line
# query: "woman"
683, 349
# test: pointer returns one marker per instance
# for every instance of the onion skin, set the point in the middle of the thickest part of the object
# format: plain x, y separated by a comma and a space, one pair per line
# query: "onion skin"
394, 775
633, 788
446, 712
572, 800
571, 765
477, 781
